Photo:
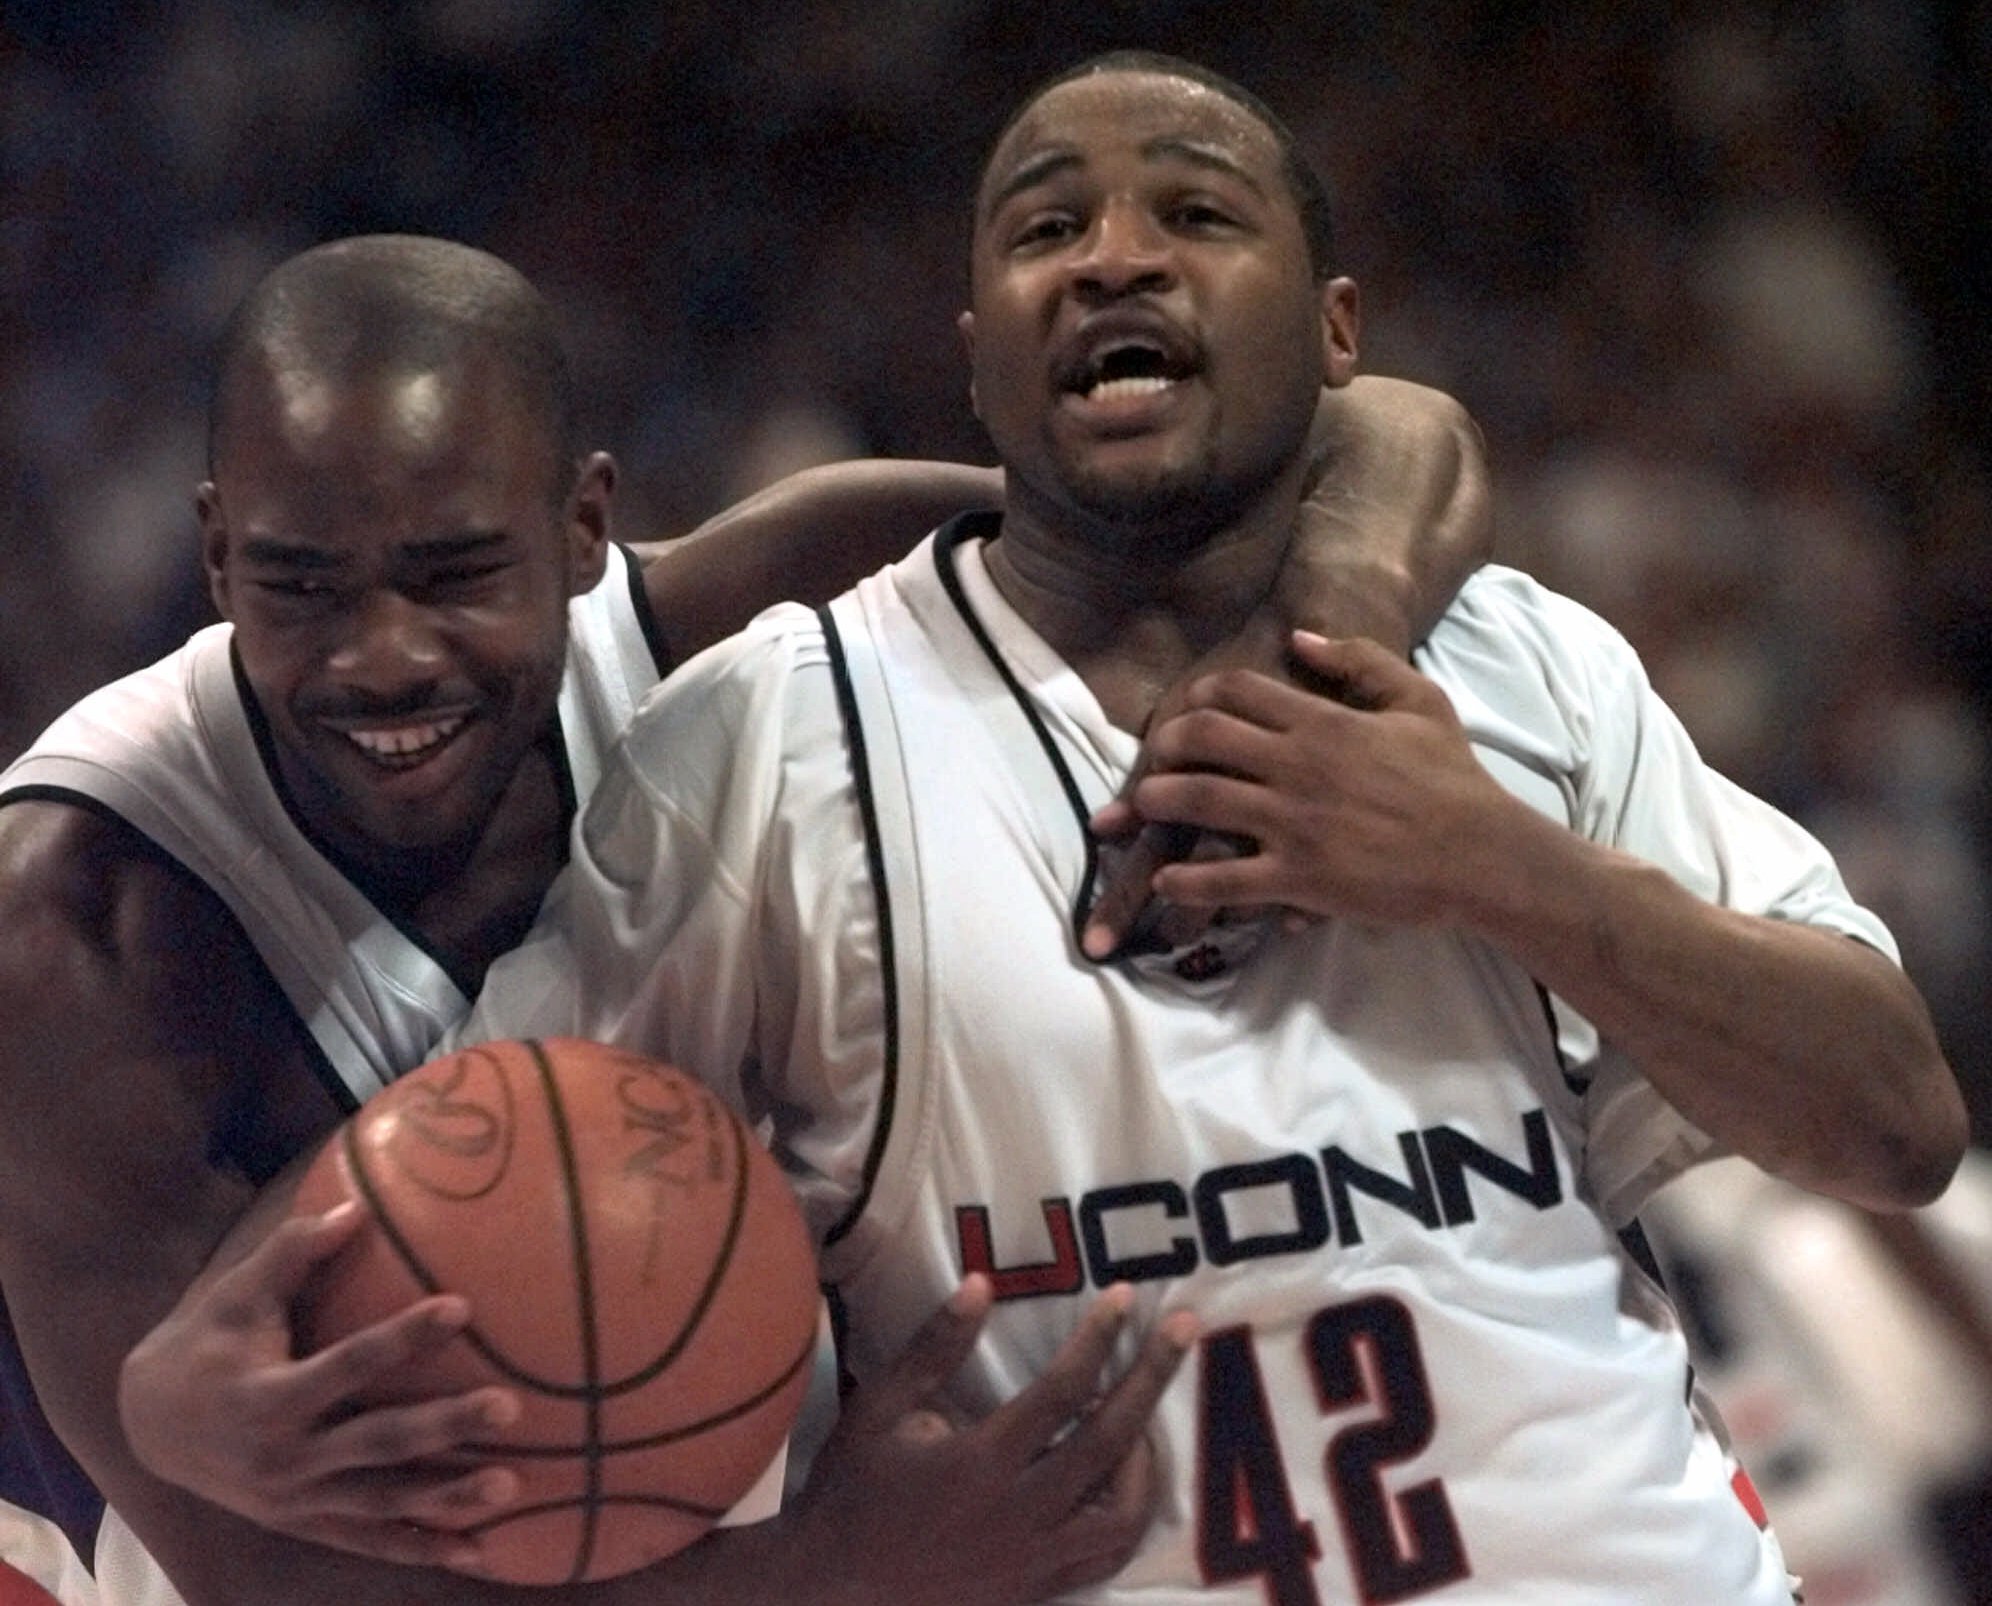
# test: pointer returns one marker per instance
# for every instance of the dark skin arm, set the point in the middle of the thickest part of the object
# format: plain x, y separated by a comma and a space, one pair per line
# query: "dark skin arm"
803, 539
1807, 1052
130, 1009
1397, 519
1400, 513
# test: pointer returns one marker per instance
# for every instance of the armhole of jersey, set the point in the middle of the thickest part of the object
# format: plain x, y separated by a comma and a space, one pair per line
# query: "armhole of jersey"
1638, 1249
840, 1336
1578, 1085
646, 616
854, 739
42, 792
1637, 1245
314, 1051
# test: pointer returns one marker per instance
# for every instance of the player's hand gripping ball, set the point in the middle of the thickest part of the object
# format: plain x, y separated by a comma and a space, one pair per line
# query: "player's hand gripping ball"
637, 1270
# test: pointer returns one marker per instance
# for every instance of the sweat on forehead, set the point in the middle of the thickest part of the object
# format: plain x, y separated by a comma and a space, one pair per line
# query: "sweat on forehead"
1191, 81
388, 304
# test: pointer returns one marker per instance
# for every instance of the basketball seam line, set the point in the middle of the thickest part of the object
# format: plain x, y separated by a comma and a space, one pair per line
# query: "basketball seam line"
584, 1278
664, 1436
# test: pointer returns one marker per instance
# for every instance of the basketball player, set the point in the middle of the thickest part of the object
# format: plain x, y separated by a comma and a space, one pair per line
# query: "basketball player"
246, 888
1369, 1143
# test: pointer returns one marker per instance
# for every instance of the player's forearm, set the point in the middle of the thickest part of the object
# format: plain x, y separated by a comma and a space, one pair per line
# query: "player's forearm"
804, 539
1797, 1047
764, 1561
1399, 516
854, 517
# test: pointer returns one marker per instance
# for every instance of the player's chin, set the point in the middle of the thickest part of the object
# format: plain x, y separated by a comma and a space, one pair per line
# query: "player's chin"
419, 823
1135, 492
1146, 502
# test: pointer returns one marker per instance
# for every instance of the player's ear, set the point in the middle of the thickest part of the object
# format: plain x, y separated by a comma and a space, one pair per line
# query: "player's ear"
214, 544
587, 522
1340, 320
966, 324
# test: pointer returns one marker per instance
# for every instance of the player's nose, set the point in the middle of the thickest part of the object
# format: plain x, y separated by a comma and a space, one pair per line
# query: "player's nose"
1126, 251
392, 643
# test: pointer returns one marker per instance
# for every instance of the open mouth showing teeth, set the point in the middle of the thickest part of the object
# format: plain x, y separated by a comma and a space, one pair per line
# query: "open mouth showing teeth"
1127, 368
402, 747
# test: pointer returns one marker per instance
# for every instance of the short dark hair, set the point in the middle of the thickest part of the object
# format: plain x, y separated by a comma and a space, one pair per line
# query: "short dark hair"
1309, 191
383, 302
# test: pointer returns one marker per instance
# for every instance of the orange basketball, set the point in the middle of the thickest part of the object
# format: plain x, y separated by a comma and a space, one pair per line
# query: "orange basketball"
637, 1270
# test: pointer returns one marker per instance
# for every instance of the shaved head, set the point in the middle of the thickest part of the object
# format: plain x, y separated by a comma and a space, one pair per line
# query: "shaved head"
402, 307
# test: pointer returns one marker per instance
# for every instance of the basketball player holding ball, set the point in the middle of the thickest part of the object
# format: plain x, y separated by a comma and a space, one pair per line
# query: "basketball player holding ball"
247, 889
672, 1324
1362, 1137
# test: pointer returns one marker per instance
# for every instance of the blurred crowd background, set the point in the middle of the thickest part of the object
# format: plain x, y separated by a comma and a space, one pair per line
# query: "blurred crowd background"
1713, 277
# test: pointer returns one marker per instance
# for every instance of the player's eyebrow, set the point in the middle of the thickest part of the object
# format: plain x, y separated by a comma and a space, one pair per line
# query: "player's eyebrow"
1163, 147
1202, 153
276, 554
1033, 170
272, 553
461, 544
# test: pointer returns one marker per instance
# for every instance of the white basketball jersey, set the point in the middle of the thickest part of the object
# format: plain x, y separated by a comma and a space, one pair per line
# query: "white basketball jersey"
176, 751
1430, 1365
37, 1549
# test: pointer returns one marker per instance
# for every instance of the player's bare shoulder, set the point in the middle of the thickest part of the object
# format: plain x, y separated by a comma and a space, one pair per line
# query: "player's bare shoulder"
130, 1000
94, 905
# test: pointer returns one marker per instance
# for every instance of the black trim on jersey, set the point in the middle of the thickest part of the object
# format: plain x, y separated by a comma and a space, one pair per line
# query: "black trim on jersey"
51, 794
570, 805
1690, 1309
854, 737
983, 524
1577, 1084
1633, 1236
840, 1337
661, 656
259, 729
320, 1062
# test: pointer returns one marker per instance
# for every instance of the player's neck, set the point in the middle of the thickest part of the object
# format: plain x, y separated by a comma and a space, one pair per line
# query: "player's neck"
478, 903
1133, 620
487, 909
